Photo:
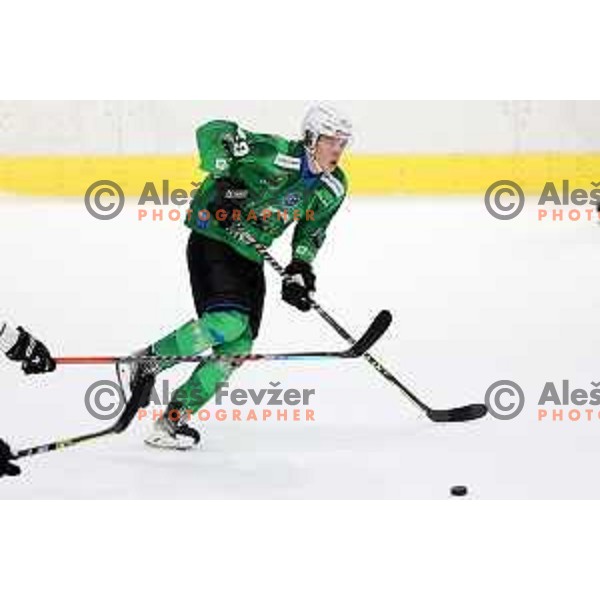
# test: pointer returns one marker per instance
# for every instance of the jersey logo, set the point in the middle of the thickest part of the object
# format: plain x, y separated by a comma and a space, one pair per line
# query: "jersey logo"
237, 143
285, 161
292, 200
303, 251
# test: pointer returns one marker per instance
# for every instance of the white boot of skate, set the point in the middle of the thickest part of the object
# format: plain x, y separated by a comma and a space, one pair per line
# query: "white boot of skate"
168, 434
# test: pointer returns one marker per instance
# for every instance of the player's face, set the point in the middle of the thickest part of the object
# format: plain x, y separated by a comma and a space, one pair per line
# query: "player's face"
328, 152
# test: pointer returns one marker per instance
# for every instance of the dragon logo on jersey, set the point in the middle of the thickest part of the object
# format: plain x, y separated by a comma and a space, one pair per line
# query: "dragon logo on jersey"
237, 143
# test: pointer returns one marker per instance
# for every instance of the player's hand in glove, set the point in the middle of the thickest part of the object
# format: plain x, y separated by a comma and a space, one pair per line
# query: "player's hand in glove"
231, 195
298, 284
6, 467
32, 354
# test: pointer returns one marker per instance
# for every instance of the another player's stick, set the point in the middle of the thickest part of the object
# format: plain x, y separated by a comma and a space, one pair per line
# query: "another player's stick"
119, 426
374, 332
377, 328
469, 412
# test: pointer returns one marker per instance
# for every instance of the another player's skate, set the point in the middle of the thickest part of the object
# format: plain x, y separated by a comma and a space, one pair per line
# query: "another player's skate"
171, 432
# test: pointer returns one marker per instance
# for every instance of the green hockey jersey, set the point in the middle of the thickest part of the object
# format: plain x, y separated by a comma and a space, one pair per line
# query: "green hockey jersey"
282, 190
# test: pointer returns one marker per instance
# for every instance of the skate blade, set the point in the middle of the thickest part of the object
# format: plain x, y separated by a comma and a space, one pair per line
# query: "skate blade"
170, 444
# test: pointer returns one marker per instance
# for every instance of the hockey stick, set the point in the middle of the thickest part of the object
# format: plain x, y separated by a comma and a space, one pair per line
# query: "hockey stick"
374, 332
469, 412
118, 427
376, 329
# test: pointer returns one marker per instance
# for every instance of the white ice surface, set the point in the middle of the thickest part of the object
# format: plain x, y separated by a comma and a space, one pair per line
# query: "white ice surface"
475, 300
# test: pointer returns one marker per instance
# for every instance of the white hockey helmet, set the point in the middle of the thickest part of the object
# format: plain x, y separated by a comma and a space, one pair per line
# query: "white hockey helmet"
325, 120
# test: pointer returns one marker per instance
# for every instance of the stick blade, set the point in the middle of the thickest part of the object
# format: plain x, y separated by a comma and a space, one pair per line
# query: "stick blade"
377, 328
139, 399
6, 454
458, 415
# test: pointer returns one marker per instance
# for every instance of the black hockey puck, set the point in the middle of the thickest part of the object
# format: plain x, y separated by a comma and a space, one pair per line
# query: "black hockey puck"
459, 490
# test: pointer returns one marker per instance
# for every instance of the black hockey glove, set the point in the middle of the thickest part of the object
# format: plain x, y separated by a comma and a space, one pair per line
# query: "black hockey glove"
33, 355
6, 467
298, 283
231, 195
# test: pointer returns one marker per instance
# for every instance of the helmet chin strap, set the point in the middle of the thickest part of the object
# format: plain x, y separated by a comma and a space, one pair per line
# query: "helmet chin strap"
315, 166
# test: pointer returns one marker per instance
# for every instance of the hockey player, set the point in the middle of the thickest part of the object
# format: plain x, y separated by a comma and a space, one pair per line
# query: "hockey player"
249, 176
21, 346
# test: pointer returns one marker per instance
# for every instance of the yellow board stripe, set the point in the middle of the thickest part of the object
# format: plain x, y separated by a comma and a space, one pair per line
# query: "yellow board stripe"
70, 176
